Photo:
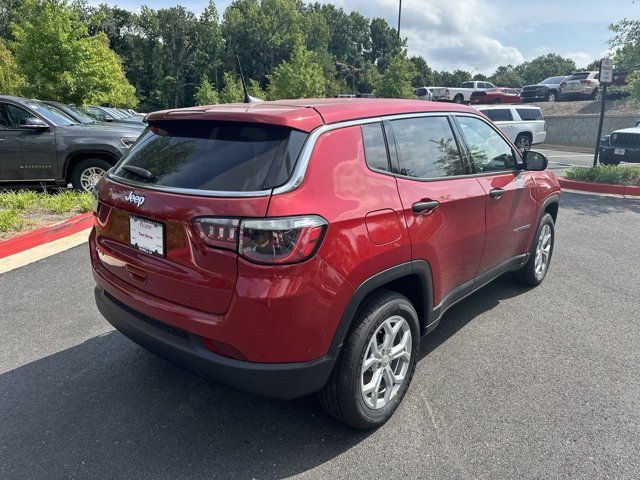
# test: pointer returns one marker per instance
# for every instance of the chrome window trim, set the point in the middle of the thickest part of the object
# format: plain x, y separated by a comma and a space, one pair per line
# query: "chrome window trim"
300, 169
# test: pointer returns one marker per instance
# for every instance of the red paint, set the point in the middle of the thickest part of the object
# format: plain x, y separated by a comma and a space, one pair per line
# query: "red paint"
43, 235
609, 188
289, 313
497, 95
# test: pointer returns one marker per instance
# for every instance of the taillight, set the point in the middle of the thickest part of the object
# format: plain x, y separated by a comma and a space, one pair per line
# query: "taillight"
218, 232
266, 240
585, 82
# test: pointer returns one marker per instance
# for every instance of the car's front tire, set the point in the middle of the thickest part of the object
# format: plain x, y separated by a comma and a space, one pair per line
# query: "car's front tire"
537, 266
87, 173
376, 364
552, 97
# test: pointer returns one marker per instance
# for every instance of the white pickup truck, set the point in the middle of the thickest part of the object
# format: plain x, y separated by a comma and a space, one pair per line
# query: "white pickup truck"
462, 94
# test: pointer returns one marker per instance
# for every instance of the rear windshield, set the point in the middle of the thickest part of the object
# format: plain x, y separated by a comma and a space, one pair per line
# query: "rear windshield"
217, 156
529, 114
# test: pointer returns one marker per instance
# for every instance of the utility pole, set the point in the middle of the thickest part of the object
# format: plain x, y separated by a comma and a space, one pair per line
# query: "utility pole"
399, 17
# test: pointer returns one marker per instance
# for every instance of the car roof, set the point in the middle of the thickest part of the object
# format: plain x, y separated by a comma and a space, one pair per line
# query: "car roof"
306, 114
495, 107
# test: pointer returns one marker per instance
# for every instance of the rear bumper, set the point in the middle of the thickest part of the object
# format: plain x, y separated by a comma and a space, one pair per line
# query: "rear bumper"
283, 381
539, 137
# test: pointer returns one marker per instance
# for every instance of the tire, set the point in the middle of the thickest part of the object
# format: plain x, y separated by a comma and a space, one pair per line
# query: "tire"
343, 396
86, 173
596, 95
552, 97
458, 99
497, 100
523, 141
529, 274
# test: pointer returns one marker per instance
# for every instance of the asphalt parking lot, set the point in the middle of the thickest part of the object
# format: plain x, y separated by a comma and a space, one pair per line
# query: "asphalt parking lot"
515, 383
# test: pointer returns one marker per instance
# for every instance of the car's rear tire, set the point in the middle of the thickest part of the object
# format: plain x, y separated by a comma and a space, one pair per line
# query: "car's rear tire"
87, 173
390, 361
523, 142
458, 98
596, 95
537, 266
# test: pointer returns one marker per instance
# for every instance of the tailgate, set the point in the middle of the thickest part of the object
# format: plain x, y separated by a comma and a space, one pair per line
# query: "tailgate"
187, 272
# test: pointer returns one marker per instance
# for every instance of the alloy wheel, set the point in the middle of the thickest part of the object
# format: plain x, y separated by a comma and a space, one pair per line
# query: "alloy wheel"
386, 362
523, 143
543, 252
90, 176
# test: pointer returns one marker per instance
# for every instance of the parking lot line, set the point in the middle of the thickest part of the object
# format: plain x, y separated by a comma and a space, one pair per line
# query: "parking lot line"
42, 251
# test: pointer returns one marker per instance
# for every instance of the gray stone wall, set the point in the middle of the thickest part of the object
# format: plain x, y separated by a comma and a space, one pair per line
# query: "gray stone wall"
581, 130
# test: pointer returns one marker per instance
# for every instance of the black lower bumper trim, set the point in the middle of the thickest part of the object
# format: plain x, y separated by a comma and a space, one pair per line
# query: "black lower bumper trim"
283, 381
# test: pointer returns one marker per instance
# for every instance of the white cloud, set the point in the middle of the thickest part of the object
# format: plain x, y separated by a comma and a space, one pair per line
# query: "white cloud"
448, 34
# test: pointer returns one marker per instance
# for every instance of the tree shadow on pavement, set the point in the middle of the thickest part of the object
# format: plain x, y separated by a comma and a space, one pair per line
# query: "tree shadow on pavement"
594, 205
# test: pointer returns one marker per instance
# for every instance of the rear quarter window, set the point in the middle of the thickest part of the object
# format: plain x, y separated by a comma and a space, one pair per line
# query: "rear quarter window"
578, 76
215, 156
375, 147
529, 114
498, 114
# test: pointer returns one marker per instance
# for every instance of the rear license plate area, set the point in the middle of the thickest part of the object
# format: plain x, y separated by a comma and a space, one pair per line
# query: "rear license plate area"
147, 235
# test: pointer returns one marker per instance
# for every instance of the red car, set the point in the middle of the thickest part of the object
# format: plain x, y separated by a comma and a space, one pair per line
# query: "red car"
291, 247
496, 95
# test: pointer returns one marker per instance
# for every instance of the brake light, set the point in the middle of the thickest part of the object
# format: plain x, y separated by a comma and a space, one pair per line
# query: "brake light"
218, 232
585, 82
270, 241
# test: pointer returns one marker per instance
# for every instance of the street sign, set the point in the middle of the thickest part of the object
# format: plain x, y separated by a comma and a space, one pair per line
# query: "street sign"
606, 70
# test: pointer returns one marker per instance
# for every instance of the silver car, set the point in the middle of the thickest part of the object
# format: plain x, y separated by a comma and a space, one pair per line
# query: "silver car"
581, 85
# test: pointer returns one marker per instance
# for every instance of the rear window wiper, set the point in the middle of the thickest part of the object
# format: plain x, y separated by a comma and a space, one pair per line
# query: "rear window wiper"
139, 171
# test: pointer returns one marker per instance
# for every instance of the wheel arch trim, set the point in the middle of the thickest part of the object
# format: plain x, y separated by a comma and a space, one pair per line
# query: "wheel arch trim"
418, 268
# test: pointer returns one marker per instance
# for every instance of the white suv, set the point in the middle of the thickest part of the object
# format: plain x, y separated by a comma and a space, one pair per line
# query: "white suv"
524, 126
581, 85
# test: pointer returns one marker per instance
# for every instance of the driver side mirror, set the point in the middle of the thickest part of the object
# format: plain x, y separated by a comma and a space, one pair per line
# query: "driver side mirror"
534, 161
33, 123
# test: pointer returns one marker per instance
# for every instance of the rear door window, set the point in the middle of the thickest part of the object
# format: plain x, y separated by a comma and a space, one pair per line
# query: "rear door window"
214, 156
466, 85
375, 147
498, 114
529, 114
427, 148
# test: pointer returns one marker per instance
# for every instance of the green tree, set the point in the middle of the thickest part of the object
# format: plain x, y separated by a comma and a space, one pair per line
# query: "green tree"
299, 77
396, 79
626, 42
451, 79
205, 93
255, 89
424, 74
11, 82
61, 61
385, 44
545, 66
232, 90
506, 76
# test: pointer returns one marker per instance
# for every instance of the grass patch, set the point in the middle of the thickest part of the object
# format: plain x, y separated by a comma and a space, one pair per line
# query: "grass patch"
616, 174
18, 209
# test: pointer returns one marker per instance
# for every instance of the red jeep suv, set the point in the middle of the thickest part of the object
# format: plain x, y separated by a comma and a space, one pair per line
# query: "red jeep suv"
292, 247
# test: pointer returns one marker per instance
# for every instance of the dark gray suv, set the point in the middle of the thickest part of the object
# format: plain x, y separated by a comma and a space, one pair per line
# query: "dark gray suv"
40, 144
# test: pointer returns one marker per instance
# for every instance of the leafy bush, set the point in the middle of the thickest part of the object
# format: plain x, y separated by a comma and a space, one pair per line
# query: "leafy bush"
616, 174
10, 220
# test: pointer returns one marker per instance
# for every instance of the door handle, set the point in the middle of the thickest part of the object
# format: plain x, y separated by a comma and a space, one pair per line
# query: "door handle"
420, 207
497, 192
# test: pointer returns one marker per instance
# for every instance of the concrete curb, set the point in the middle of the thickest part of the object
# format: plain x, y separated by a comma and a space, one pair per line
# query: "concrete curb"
607, 188
44, 235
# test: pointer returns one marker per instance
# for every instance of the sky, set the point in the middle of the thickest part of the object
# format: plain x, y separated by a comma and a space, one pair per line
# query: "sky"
480, 35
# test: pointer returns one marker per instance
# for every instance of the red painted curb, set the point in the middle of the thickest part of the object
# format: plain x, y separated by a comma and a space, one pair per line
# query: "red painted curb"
44, 235
632, 190
592, 186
